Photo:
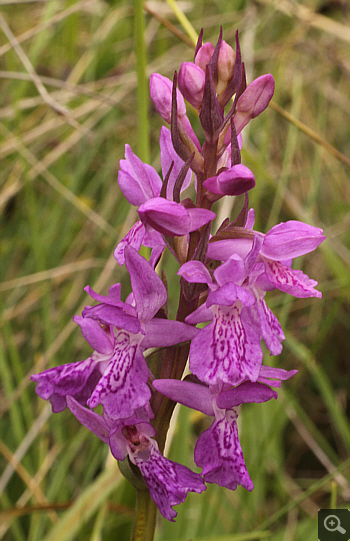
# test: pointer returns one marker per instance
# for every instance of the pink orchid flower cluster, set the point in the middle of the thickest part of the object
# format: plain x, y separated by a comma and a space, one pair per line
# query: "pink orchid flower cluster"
224, 277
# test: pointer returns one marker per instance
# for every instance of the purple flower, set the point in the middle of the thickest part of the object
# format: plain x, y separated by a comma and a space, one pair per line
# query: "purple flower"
116, 373
161, 94
75, 379
140, 183
218, 450
191, 83
173, 219
282, 243
254, 100
236, 180
167, 481
228, 349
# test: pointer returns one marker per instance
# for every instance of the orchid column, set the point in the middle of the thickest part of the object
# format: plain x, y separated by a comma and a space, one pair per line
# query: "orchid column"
139, 355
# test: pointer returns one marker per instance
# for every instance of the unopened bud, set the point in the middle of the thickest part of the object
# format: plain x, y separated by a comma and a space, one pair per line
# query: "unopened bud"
191, 83
161, 91
204, 55
226, 66
254, 100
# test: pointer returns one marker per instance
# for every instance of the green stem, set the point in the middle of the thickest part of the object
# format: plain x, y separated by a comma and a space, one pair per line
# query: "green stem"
143, 143
145, 517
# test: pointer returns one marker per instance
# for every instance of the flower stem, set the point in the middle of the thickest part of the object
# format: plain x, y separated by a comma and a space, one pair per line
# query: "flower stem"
145, 517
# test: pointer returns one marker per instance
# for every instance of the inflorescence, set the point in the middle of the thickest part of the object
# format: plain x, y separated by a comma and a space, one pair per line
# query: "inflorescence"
224, 279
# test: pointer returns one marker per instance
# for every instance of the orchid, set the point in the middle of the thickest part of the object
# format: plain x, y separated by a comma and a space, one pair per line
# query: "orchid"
167, 481
139, 355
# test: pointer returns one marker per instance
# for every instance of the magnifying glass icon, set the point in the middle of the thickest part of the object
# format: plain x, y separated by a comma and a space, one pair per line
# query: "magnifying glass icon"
332, 524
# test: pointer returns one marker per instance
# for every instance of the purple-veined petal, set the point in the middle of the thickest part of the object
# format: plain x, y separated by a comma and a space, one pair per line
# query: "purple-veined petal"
195, 272
267, 325
90, 419
134, 239
243, 394
73, 379
100, 340
218, 451
234, 181
149, 291
225, 350
291, 239
137, 180
112, 315
167, 156
166, 332
122, 388
167, 481
187, 393
294, 282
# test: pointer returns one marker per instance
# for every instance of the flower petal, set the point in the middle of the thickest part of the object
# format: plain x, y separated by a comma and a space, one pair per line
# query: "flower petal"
278, 374
73, 379
267, 325
218, 451
254, 100
134, 238
187, 393
225, 350
234, 181
294, 282
112, 315
166, 332
167, 481
90, 419
167, 156
245, 393
149, 291
195, 272
100, 340
122, 388
137, 180
291, 239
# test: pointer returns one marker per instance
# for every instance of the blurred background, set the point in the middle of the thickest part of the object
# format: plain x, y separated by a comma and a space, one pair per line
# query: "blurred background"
68, 105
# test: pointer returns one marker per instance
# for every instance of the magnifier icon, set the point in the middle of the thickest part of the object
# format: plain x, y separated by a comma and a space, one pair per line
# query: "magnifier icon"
332, 524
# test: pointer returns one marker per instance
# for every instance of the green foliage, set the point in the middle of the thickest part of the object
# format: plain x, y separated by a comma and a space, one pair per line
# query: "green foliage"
62, 215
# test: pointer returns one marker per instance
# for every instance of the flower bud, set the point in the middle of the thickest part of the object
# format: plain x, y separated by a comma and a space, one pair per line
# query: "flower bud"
254, 100
226, 66
191, 83
234, 181
204, 55
173, 219
161, 90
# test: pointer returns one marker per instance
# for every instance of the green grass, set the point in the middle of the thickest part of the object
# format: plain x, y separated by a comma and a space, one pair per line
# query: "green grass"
62, 214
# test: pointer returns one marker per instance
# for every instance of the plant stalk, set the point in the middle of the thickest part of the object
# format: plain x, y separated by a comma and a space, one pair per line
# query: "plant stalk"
145, 517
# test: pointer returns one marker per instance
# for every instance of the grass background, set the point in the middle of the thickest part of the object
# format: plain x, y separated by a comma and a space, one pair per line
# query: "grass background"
62, 213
